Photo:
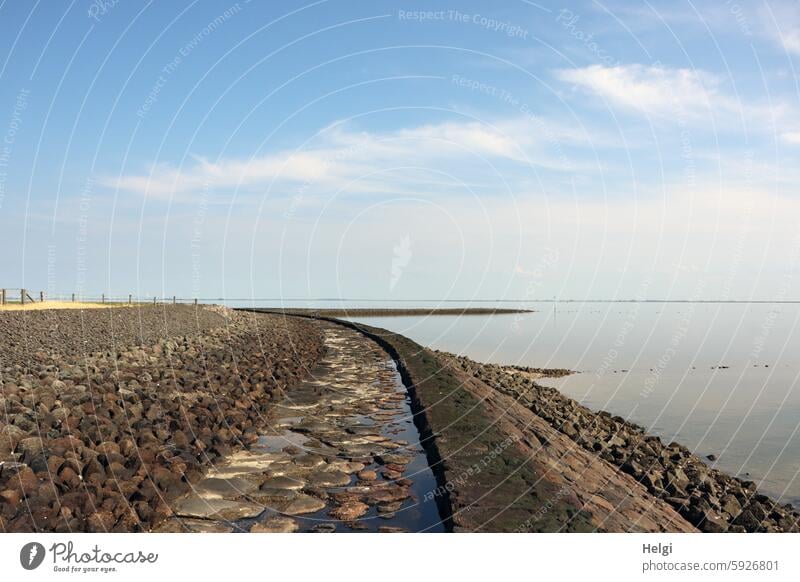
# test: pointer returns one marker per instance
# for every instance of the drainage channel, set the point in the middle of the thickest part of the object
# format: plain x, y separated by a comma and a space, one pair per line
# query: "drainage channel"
341, 454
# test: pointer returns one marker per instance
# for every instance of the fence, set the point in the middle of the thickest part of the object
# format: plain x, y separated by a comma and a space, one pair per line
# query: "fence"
24, 296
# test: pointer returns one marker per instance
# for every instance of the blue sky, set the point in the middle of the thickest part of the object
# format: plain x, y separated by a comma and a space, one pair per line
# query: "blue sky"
401, 150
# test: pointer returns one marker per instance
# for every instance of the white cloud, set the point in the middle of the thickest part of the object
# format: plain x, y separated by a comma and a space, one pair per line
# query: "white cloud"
691, 97
780, 22
339, 155
791, 40
791, 137
651, 90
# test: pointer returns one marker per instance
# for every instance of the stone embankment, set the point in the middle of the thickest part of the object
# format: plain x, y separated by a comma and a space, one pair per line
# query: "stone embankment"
502, 468
709, 499
107, 416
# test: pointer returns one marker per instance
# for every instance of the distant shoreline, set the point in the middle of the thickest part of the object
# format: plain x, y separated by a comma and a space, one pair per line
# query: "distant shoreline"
390, 312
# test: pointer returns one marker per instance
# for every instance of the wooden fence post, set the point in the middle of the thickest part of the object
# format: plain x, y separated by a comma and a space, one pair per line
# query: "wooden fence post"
3, 296
154, 300
22, 294
174, 300
195, 301
102, 298
41, 296
73, 297
130, 299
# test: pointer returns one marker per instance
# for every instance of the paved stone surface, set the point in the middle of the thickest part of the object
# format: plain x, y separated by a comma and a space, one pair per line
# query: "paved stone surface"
333, 458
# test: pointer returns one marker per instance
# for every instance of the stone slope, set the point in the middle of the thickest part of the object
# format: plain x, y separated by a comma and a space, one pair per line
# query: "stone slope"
711, 500
103, 440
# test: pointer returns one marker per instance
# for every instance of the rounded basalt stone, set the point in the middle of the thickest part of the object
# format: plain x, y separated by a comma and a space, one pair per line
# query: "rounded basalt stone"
349, 511
282, 482
390, 507
391, 475
233, 487
367, 475
304, 504
394, 459
328, 479
309, 461
277, 524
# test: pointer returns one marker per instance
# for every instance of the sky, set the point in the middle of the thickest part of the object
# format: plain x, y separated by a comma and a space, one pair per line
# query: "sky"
401, 150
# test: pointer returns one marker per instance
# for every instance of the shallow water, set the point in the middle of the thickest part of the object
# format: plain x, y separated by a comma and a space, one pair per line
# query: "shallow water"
419, 512
720, 378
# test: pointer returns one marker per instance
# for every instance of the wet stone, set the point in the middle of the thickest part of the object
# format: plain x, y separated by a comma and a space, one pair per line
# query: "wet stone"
216, 508
363, 430
277, 524
309, 461
282, 482
367, 475
233, 487
394, 459
304, 504
328, 479
349, 511
390, 507
391, 529
344, 466
183, 524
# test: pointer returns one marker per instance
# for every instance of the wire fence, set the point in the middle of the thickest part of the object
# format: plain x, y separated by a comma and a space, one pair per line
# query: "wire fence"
24, 296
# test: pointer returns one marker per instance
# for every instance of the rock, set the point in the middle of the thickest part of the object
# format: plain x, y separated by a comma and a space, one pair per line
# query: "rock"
391, 507
324, 528
391, 475
276, 524
344, 466
309, 461
233, 487
328, 479
282, 482
711, 457
216, 508
731, 505
395, 459
367, 475
632, 468
10, 497
388, 495
29, 448
748, 520
101, 521
304, 504
712, 522
184, 524
391, 529
349, 511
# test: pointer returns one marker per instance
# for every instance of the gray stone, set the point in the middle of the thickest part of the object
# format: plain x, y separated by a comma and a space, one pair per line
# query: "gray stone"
304, 504
217, 487
216, 508
282, 482
329, 479
277, 524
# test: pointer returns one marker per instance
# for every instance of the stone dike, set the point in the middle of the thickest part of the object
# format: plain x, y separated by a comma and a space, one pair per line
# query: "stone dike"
184, 418
108, 416
707, 498
501, 468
